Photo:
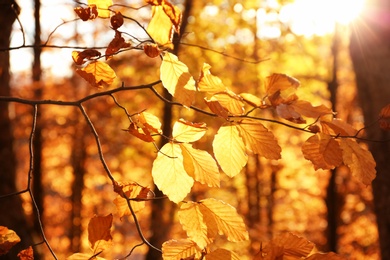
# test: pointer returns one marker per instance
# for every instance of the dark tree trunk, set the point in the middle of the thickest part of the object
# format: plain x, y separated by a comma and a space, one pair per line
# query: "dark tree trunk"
12, 214
370, 53
163, 210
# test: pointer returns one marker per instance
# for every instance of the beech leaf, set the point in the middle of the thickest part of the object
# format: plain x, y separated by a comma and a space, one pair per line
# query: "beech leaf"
325, 256
99, 235
26, 254
305, 108
180, 249
169, 174
222, 254
217, 108
87, 13
229, 150
384, 118
143, 125
208, 82
102, 6
280, 82
160, 27
177, 80
232, 102
8, 238
98, 74
337, 127
132, 191
81, 256
187, 132
259, 140
360, 161
226, 219
200, 165
251, 99
323, 151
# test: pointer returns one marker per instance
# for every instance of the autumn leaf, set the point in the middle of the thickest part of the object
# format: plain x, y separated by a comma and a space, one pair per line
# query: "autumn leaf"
222, 254
323, 151
8, 238
87, 13
208, 82
116, 20
177, 80
191, 219
259, 140
232, 102
336, 126
280, 82
306, 109
360, 161
81, 57
180, 249
160, 27
143, 125
152, 50
226, 219
102, 6
229, 150
97, 74
187, 132
217, 108
132, 191
26, 254
82, 256
116, 44
174, 14
287, 112
251, 99
169, 174
200, 165
99, 235
384, 118
325, 256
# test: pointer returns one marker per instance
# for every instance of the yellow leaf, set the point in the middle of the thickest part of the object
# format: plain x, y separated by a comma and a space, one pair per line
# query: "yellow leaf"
160, 27
200, 165
8, 238
143, 125
191, 219
208, 82
177, 80
287, 112
226, 218
251, 99
323, 151
81, 256
169, 174
132, 190
259, 140
102, 6
337, 127
187, 132
180, 249
280, 82
305, 108
97, 74
217, 108
231, 102
229, 150
222, 254
99, 235
360, 161
174, 13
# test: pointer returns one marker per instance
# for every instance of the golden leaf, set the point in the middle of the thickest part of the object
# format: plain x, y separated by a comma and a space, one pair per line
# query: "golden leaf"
26, 254
97, 74
222, 254
169, 174
251, 99
8, 238
360, 161
191, 219
229, 150
143, 125
200, 165
102, 6
174, 13
384, 118
79, 57
217, 108
259, 140
177, 80
208, 82
99, 235
184, 131
132, 191
226, 219
323, 151
337, 127
325, 256
280, 82
160, 27
180, 249
230, 101
81, 256
305, 108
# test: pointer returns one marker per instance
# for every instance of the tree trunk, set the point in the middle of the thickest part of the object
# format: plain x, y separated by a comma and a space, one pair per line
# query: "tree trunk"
370, 53
12, 214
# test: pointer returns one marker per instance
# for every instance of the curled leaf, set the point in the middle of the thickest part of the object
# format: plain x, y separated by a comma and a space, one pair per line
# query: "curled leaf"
98, 74
116, 20
152, 50
87, 13
102, 6
8, 238
116, 44
80, 57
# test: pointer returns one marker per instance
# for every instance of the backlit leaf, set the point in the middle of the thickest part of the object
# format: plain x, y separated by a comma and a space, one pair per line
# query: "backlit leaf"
81, 256
152, 50
337, 127
384, 118
231, 102
187, 132
259, 140
177, 80
143, 125
360, 161
323, 151
26, 254
217, 108
174, 13
160, 27
251, 99
222, 254
200, 165
97, 74
325, 256
116, 44
102, 6
229, 150
8, 238
132, 191
208, 82
226, 218
280, 82
169, 174
287, 112
305, 108
180, 249
99, 235
191, 219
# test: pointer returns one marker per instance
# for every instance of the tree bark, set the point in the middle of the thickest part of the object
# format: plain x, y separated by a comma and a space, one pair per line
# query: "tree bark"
370, 54
12, 214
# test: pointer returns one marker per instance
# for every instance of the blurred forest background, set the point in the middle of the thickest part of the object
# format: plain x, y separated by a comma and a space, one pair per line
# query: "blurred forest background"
330, 208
